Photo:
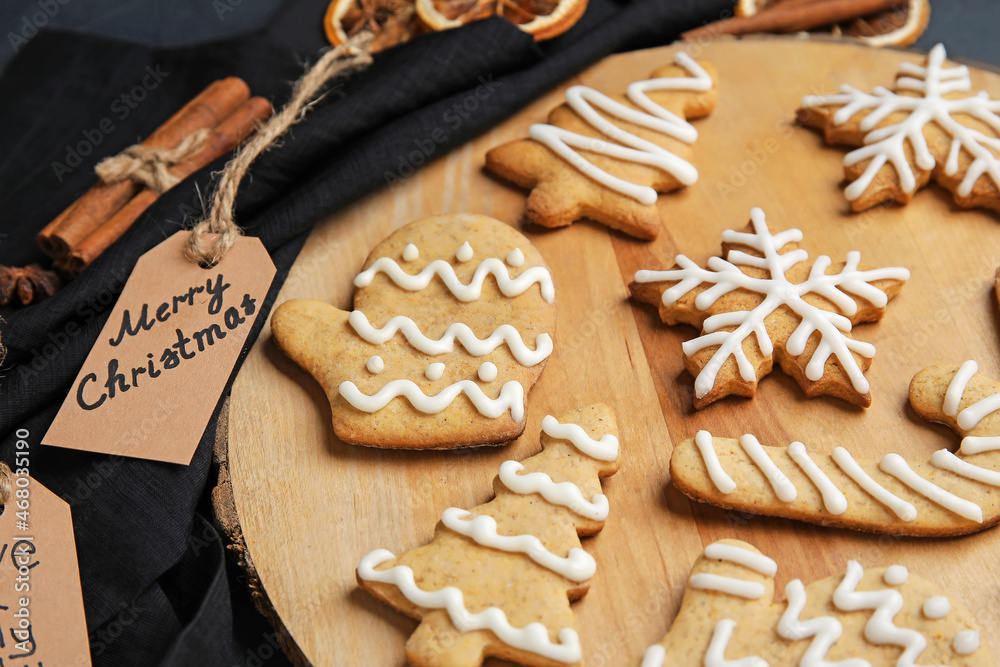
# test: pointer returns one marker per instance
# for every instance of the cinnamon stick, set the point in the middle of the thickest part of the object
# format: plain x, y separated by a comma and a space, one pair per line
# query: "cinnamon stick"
793, 17
103, 200
226, 136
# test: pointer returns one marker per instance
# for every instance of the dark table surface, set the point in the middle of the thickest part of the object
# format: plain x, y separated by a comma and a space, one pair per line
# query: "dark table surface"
966, 27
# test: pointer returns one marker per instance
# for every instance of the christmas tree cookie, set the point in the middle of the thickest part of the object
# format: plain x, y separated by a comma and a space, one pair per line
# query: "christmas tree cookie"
607, 158
452, 324
497, 580
874, 617
762, 302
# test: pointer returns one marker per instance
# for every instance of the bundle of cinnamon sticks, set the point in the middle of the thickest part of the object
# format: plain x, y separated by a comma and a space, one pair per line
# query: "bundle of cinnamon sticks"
98, 218
793, 16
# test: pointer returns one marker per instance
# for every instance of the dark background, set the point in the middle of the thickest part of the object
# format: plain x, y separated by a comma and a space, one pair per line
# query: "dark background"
967, 28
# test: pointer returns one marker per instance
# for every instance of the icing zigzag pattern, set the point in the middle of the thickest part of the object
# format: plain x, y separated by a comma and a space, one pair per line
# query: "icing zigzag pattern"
951, 494
457, 332
815, 620
462, 291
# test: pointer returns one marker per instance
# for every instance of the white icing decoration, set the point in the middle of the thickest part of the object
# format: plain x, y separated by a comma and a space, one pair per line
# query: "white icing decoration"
654, 657
410, 253
886, 604
945, 460
515, 258
937, 607
631, 148
970, 417
534, 637
977, 445
896, 575
967, 642
463, 292
457, 332
511, 398
783, 488
566, 494
890, 144
375, 365
834, 501
749, 590
825, 630
904, 510
956, 388
464, 252
895, 465
577, 566
725, 276
487, 371
722, 481
716, 655
733, 554
605, 449
434, 371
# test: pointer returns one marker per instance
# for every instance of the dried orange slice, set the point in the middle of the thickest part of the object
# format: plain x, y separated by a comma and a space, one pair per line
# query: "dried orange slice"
392, 21
895, 27
543, 19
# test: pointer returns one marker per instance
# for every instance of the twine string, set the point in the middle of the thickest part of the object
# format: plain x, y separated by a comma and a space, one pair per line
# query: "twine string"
148, 165
209, 250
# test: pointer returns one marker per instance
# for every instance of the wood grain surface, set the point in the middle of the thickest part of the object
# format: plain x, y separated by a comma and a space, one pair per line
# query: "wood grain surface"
310, 507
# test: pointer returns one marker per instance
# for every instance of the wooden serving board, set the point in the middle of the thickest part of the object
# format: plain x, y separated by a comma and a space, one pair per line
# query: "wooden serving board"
308, 507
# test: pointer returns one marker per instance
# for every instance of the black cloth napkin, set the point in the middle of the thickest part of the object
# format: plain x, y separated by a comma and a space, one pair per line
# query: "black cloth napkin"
154, 576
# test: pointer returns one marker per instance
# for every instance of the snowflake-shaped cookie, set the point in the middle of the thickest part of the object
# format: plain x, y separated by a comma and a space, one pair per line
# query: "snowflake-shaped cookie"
931, 125
761, 301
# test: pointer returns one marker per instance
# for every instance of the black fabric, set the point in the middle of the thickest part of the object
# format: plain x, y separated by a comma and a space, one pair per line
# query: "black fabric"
154, 578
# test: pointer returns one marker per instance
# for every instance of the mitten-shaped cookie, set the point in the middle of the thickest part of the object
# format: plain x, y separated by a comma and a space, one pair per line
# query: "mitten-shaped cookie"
452, 324
497, 580
878, 617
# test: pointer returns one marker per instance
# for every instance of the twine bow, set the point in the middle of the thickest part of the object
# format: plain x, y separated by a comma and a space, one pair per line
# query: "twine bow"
150, 166
209, 251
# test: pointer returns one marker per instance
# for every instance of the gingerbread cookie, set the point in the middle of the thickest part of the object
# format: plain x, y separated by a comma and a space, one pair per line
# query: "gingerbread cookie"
933, 125
951, 494
631, 147
452, 324
762, 302
867, 617
498, 580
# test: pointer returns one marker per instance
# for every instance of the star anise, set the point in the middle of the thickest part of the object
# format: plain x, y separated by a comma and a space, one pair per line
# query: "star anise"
29, 284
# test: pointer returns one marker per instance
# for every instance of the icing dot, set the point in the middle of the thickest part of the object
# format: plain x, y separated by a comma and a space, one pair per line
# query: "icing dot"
488, 371
410, 252
434, 371
896, 575
464, 253
967, 642
515, 257
375, 364
937, 607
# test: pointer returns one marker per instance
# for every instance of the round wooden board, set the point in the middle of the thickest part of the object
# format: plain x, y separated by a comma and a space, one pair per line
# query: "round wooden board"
309, 507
